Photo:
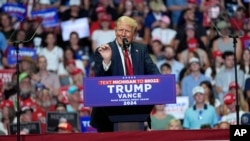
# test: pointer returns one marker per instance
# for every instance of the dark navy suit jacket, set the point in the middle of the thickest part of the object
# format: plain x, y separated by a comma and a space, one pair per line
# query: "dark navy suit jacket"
142, 65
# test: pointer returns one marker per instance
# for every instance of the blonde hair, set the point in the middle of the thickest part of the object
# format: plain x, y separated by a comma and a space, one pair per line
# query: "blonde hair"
127, 20
173, 121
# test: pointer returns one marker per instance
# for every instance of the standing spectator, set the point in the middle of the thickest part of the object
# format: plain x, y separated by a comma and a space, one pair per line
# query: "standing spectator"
74, 12
48, 79
52, 52
193, 79
237, 20
224, 42
7, 27
27, 65
109, 7
169, 55
210, 96
159, 119
104, 34
200, 113
176, 7
231, 6
163, 32
200, 31
245, 39
247, 92
3, 46
245, 63
126, 8
227, 75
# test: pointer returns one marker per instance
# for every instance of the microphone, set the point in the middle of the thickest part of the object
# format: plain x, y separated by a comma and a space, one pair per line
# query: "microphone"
125, 43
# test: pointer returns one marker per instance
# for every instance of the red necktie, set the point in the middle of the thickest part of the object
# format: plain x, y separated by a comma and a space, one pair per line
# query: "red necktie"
128, 64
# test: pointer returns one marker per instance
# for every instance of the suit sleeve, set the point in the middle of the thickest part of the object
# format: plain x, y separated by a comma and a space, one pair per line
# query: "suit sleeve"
98, 66
150, 66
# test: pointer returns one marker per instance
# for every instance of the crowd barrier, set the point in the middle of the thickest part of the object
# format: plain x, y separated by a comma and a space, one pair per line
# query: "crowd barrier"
171, 135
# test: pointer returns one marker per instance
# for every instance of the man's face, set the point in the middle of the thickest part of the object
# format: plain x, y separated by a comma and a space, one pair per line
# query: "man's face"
169, 53
194, 67
229, 61
25, 85
199, 98
123, 30
27, 116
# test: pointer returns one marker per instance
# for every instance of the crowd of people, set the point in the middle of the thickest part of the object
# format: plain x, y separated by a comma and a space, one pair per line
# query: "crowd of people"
188, 38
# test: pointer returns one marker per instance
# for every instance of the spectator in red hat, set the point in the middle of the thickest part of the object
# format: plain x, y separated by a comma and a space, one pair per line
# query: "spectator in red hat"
104, 34
84, 111
242, 101
245, 62
193, 45
230, 102
77, 76
216, 65
65, 127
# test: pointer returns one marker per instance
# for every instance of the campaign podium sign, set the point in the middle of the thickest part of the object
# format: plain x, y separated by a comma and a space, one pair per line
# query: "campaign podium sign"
128, 100
28, 128
129, 90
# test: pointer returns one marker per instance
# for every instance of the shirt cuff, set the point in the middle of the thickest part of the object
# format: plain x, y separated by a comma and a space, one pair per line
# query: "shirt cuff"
106, 66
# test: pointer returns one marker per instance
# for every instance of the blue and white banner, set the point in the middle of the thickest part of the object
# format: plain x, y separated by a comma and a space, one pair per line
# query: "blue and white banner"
49, 17
17, 11
85, 125
23, 52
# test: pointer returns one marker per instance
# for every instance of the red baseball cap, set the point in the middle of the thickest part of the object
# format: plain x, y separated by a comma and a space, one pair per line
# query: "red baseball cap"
100, 9
85, 109
192, 44
233, 85
229, 98
7, 103
217, 53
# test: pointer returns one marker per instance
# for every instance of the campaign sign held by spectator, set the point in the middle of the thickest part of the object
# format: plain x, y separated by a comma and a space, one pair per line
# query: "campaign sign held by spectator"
6, 75
129, 90
54, 118
178, 109
28, 52
17, 11
25, 128
81, 26
85, 125
49, 17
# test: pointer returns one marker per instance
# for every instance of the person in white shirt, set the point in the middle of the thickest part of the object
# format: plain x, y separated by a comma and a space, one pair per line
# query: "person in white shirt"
164, 33
52, 53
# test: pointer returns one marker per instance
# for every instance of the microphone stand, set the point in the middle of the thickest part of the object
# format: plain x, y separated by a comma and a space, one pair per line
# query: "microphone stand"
16, 45
237, 106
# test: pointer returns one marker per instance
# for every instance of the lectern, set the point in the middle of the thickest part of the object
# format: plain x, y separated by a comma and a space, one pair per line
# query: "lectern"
128, 101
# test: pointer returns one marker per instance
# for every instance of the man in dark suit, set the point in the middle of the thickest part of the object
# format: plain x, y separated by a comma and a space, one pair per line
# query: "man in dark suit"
109, 61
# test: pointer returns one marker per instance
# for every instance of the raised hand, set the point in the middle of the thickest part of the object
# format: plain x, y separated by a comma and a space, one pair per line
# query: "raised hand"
106, 53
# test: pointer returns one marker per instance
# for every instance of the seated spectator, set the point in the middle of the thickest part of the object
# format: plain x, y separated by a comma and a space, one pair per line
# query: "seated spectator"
27, 65
60, 107
226, 76
230, 102
8, 114
126, 8
74, 99
216, 65
159, 119
174, 124
156, 47
245, 39
165, 69
224, 125
247, 92
65, 127
26, 114
77, 76
193, 79
84, 111
163, 32
201, 113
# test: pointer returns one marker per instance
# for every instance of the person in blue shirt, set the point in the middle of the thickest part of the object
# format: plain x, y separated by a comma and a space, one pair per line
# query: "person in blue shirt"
200, 113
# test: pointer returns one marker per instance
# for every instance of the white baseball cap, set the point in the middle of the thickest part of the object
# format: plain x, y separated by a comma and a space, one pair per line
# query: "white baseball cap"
194, 60
74, 2
198, 89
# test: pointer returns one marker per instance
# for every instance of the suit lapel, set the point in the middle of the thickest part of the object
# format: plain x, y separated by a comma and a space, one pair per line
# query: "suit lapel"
135, 58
